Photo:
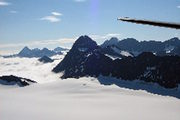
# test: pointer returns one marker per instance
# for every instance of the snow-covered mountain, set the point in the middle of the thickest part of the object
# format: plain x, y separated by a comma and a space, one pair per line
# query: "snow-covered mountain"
87, 59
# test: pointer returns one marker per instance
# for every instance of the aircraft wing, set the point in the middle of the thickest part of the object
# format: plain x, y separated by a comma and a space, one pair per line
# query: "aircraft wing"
154, 23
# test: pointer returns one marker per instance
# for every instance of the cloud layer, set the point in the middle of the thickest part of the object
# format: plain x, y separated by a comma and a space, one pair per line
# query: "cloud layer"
30, 68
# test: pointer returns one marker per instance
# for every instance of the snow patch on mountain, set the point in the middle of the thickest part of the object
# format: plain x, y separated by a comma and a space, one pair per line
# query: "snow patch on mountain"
121, 52
82, 49
125, 53
169, 49
112, 57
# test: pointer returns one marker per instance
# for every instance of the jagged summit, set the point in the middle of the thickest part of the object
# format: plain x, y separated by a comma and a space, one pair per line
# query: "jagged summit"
112, 41
45, 59
84, 43
60, 49
174, 39
26, 48
83, 47
173, 42
26, 52
131, 45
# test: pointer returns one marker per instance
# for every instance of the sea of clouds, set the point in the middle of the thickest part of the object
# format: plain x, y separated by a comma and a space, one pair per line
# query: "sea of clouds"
30, 68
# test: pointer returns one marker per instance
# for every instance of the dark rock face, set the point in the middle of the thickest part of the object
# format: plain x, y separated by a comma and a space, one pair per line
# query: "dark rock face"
87, 59
14, 80
162, 70
46, 59
74, 61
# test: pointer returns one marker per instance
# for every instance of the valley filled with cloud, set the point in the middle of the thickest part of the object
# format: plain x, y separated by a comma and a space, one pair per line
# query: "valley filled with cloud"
30, 68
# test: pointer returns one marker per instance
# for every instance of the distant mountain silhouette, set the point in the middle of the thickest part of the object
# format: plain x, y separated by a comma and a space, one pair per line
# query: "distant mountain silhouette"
60, 49
26, 52
14, 80
86, 58
29, 53
131, 45
112, 41
45, 59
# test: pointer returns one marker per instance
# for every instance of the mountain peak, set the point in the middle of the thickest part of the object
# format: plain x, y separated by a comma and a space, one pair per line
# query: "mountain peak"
84, 38
114, 39
84, 42
45, 59
174, 39
130, 40
45, 49
26, 48
110, 42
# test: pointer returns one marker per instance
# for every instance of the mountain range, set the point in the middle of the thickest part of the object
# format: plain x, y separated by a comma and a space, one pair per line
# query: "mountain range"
134, 47
29, 53
26, 52
86, 58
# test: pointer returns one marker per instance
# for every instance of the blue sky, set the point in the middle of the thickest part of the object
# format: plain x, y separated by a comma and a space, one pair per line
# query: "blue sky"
51, 23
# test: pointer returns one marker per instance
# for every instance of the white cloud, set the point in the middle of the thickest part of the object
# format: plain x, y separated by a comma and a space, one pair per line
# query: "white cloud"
3, 3
13, 11
52, 19
56, 14
106, 36
30, 68
178, 6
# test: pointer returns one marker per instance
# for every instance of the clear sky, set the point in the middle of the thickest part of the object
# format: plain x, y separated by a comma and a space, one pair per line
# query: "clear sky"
52, 23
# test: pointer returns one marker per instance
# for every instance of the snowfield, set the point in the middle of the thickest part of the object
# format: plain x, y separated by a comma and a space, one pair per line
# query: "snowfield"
76, 99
